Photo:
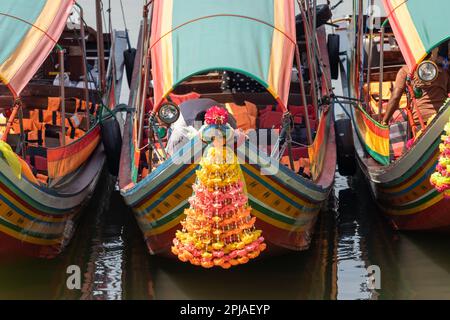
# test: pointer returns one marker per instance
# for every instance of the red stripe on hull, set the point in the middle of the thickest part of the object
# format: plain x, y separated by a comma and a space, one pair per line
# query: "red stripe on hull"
436, 217
12, 247
16, 197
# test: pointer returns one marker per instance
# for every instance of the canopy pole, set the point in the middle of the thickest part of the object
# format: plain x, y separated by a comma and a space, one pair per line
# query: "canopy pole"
63, 95
359, 42
312, 76
11, 118
100, 46
85, 70
380, 81
20, 147
145, 62
369, 58
313, 19
303, 94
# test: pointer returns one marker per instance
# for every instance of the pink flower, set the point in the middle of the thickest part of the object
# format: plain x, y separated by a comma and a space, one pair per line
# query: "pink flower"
216, 115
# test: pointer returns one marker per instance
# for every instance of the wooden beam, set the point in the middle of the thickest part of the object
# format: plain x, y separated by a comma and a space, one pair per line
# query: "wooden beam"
256, 98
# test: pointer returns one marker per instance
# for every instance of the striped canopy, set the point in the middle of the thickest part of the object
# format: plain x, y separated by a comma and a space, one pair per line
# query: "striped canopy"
419, 26
252, 37
29, 29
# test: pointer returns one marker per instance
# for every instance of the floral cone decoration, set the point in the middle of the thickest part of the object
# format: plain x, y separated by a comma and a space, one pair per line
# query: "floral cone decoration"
441, 178
218, 229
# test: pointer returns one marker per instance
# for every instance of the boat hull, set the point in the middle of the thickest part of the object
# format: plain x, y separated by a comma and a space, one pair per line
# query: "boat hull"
285, 204
403, 191
39, 222
411, 202
286, 217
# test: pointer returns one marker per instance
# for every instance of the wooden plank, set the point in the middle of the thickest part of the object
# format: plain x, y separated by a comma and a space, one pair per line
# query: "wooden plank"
45, 90
256, 98
35, 103
213, 85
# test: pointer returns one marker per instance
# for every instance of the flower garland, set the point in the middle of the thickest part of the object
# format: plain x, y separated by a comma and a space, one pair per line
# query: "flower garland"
218, 229
441, 178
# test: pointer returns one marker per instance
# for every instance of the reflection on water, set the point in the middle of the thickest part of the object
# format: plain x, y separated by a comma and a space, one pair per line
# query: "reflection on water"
351, 252
350, 236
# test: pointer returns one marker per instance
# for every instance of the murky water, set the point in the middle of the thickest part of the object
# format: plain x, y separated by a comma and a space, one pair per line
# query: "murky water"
350, 236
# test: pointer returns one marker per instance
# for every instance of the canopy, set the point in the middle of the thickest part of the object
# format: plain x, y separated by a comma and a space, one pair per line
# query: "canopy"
419, 26
253, 37
29, 29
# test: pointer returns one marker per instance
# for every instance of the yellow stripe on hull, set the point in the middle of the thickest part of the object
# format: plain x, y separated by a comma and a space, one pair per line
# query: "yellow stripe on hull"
165, 227
417, 209
28, 238
13, 217
177, 198
173, 199
418, 175
254, 188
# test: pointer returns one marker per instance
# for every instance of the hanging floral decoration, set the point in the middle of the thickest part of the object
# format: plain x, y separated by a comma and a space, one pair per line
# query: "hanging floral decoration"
441, 178
218, 229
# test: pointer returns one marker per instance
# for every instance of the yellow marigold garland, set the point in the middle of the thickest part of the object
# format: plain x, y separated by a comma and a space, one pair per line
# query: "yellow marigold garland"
441, 178
218, 229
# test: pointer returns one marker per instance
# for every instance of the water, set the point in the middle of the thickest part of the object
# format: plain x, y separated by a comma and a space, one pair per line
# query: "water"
350, 236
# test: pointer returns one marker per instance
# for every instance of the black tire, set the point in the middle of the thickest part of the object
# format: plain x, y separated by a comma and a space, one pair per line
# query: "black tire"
129, 56
333, 45
345, 147
112, 142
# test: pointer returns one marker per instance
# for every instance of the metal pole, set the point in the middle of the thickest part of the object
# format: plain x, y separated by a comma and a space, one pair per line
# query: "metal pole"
311, 63
100, 46
144, 81
10, 122
369, 58
63, 95
360, 44
303, 93
85, 70
380, 88
20, 147
314, 50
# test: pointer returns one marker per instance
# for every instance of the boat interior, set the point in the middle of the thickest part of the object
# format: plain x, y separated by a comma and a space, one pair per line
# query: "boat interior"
393, 61
253, 111
37, 127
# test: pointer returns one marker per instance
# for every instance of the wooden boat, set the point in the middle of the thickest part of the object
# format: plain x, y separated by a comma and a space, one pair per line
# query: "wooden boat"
285, 203
48, 171
399, 177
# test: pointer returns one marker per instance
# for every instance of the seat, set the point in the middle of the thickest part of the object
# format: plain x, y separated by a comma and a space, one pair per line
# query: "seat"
387, 88
245, 115
36, 157
398, 137
270, 120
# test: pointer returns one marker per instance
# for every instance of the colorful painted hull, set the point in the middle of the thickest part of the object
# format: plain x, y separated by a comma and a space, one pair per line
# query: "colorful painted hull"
285, 204
39, 222
403, 190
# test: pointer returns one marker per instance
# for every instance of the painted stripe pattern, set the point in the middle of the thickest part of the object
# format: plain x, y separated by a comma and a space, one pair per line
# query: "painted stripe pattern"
317, 151
66, 159
374, 137
286, 202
